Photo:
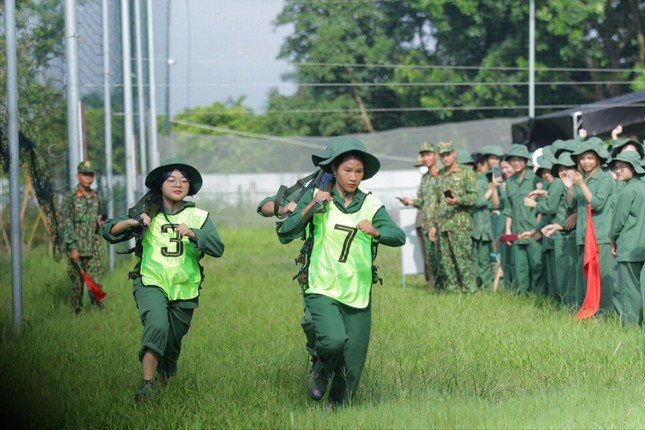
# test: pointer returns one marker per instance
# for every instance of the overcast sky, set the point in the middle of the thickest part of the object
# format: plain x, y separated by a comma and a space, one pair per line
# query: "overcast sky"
225, 48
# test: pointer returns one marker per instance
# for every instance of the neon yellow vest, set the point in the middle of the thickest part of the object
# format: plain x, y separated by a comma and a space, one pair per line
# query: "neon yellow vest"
341, 256
169, 261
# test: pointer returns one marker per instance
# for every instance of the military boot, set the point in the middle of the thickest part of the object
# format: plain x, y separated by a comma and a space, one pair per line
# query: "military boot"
145, 390
318, 380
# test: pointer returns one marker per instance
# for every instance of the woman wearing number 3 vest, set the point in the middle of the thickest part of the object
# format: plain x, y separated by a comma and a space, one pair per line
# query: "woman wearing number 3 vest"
172, 236
347, 225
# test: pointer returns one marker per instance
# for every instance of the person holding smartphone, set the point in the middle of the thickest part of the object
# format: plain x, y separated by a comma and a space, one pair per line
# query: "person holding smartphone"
426, 202
482, 233
452, 223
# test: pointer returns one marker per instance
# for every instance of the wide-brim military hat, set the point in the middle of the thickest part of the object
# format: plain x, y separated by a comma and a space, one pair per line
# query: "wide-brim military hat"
559, 146
464, 157
544, 163
619, 144
630, 157
495, 150
340, 145
518, 150
563, 160
153, 179
595, 145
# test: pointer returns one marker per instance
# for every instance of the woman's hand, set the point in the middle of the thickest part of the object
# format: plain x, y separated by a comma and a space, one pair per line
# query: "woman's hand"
184, 230
548, 230
538, 193
571, 221
529, 202
366, 227
576, 178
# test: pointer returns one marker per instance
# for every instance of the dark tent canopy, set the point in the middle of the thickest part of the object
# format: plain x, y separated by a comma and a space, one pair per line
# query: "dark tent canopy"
599, 119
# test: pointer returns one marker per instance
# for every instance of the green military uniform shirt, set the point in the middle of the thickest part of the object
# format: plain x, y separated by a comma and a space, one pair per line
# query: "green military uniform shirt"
81, 214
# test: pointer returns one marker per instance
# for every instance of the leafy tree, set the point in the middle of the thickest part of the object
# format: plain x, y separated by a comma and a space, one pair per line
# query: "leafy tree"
42, 108
453, 59
335, 45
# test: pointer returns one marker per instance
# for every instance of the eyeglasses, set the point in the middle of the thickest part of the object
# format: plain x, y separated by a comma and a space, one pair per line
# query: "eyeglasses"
619, 168
172, 181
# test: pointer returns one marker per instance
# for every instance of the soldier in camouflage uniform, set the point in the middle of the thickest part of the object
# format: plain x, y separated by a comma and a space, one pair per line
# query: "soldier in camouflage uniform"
453, 222
426, 201
83, 221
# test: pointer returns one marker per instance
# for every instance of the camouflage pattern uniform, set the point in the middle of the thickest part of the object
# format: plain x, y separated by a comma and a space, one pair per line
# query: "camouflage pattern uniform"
426, 201
454, 224
81, 214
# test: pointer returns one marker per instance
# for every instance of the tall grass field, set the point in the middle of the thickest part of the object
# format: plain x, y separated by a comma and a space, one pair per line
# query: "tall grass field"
436, 360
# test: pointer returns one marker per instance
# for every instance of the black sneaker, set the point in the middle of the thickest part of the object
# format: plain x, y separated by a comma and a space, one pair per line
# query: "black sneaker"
318, 380
145, 390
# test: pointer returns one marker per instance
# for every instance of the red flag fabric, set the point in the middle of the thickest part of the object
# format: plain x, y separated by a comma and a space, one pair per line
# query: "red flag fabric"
94, 288
591, 269
507, 237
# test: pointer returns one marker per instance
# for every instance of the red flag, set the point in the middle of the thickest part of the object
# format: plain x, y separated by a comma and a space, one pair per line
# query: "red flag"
507, 237
94, 288
591, 269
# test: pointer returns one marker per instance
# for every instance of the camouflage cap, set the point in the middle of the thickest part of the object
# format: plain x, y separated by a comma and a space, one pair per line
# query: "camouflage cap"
445, 146
86, 166
427, 147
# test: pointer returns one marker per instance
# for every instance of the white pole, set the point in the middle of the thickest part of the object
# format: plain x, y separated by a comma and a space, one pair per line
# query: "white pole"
154, 149
107, 108
532, 59
14, 161
130, 165
71, 48
143, 158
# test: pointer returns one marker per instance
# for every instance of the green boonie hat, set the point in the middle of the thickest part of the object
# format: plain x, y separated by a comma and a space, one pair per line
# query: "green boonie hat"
340, 145
619, 144
563, 160
518, 150
153, 179
495, 150
427, 147
630, 157
595, 145
86, 166
445, 146
559, 146
464, 157
544, 162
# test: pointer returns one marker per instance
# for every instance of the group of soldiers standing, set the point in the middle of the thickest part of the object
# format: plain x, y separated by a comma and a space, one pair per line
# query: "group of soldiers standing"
520, 220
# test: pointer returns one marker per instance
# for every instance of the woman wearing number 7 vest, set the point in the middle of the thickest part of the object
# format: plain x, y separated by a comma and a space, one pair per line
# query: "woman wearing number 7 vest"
347, 226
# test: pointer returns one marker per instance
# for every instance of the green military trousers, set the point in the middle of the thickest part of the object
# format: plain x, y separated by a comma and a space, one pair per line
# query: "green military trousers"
482, 249
628, 290
527, 267
506, 260
609, 300
342, 339
565, 255
549, 274
165, 323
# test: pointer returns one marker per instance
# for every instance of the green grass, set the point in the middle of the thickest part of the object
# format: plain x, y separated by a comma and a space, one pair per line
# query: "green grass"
489, 360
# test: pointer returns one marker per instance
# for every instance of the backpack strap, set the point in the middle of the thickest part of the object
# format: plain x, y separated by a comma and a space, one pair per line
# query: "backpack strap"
322, 182
284, 191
